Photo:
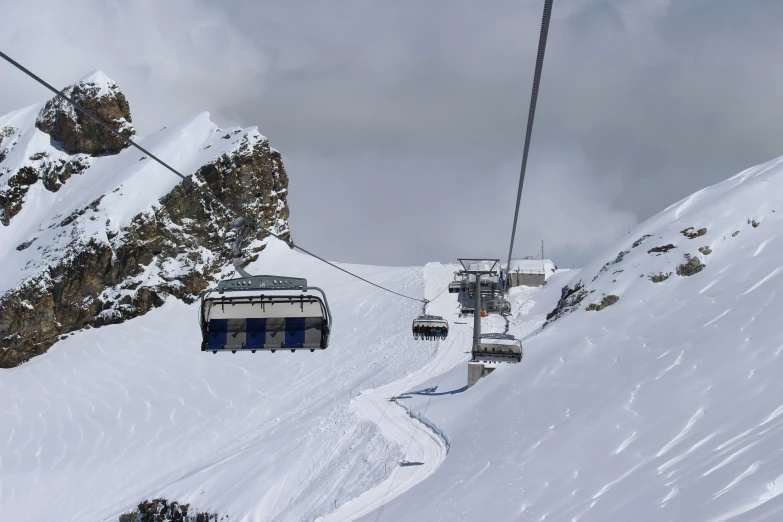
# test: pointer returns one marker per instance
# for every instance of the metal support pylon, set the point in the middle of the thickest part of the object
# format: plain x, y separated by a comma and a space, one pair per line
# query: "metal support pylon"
477, 312
477, 268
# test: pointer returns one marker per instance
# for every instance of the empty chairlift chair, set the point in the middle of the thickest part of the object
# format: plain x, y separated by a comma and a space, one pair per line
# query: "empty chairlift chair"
456, 287
430, 328
273, 313
497, 305
498, 347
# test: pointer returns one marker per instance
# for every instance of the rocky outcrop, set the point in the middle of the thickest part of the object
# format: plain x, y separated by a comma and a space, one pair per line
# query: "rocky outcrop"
661, 277
5, 133
161, 510
53, 173
570, 299
692, 266
661, 249
12, 196
77, 133
71, 132
640, 240
690, 233
174, 249
607, 300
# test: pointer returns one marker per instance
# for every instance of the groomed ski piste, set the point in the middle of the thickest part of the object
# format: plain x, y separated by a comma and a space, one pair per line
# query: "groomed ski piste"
666, 404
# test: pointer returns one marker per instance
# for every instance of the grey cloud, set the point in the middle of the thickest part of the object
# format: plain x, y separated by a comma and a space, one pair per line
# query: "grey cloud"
172, 59
393, 117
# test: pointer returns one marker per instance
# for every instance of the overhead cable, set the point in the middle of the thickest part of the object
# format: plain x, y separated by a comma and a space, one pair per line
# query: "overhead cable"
530, 117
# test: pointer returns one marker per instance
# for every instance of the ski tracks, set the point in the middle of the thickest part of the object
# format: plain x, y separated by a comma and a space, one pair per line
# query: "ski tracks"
424, 449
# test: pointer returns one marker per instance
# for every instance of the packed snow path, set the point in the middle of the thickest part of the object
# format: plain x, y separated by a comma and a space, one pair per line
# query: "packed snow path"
423, 449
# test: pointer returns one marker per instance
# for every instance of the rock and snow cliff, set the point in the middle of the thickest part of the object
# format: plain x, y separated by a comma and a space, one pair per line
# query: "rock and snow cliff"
97, 233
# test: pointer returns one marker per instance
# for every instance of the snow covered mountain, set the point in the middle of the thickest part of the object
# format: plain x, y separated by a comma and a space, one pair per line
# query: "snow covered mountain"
653, 394
649, 389
96, 233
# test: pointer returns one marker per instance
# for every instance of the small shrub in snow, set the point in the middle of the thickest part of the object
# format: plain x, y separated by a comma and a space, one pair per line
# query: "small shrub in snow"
706, 250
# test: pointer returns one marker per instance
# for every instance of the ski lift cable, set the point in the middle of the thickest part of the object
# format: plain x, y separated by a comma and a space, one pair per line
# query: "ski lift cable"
531, 115
186, 179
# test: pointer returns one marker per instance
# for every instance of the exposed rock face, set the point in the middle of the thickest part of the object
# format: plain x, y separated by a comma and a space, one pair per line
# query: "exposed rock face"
52, 173
570, 298
161, 510
608, 300
72, 132
5, 132
693, 266
640, 240
690, 233
660, 249
184, 242
12, 197
78, 133
660, 278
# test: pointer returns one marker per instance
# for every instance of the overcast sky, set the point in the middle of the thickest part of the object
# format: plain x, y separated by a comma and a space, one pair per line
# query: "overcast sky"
401, 123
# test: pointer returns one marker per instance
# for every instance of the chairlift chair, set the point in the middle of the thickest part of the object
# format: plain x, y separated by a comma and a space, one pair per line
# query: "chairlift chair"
457, 287
497, 347
430, 327
498, 305
273, 313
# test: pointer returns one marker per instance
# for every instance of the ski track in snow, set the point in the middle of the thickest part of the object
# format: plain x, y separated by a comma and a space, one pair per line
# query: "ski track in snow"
422, 446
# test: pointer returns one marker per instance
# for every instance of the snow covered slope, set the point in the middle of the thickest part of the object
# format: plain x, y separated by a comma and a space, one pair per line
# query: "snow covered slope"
652, 393
113, 416
663, 405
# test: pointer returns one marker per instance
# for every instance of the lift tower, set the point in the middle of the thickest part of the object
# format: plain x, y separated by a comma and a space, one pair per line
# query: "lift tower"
478, 267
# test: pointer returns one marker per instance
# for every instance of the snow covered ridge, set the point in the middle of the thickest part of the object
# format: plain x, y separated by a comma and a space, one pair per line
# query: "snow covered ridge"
97, 233
682, 241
